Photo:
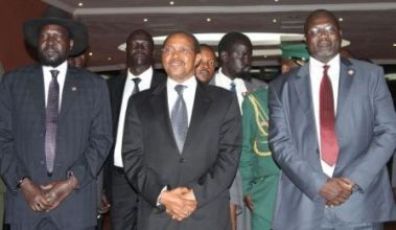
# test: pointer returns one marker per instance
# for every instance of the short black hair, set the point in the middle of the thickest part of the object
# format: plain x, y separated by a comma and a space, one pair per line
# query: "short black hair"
319, 13
145, 33
230, 38
207, 47
197, 49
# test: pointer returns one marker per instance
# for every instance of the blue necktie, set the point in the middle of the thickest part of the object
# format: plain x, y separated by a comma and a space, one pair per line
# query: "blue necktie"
233, 87
51, 121
179, 118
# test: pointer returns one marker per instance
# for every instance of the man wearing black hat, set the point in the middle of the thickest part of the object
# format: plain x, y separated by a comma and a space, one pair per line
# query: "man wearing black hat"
55, 131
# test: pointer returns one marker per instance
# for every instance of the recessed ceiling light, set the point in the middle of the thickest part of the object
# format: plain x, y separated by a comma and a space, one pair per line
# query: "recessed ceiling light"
394, 44
90, 54
274, 20
80, 4
276, 0
145, 19
340, 19
109, 59
171, 3
208, 19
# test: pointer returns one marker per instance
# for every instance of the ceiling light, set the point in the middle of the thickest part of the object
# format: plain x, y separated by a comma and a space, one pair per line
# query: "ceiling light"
145, 19
171, 3
274, 20
80, 4
90, 54
394, 44
109, 59
340, 19
276, 0
208, 19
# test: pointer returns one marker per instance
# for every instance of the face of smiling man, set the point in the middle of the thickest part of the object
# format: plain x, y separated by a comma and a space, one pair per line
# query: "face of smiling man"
323, 36
180, 56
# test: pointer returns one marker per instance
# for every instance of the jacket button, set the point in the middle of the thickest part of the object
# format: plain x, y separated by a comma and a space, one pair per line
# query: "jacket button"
182, 160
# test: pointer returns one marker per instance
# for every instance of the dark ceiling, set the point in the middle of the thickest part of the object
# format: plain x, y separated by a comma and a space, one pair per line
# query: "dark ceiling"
369, 25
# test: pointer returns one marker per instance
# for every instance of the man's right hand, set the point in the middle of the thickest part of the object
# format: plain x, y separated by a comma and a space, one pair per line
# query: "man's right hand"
176, 205
249, 202
336, 191
34, 196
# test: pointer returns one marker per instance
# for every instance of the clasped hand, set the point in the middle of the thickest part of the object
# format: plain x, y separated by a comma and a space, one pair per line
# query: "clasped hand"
336, 191
180, 203
45, 198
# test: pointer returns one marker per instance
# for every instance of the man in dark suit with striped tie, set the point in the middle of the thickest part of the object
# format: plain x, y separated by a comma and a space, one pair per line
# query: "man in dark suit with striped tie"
55, 131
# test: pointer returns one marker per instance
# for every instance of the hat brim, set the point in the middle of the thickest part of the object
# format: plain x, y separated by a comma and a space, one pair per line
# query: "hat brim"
77, 32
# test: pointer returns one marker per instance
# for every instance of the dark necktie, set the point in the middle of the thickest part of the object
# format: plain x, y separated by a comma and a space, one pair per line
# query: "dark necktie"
51, 121
136, 87
328, 138
179, 118
233, 87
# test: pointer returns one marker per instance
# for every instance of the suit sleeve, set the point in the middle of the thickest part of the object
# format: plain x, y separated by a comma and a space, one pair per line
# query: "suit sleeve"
220, 176
12, 168
249, 131
365, 169
100, 138
142, 178
284, 151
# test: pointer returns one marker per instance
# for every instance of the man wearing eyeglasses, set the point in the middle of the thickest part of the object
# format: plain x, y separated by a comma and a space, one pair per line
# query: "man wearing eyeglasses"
332, 130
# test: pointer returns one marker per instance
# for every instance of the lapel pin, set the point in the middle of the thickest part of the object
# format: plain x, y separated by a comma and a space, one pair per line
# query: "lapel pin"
351, 72
74, 88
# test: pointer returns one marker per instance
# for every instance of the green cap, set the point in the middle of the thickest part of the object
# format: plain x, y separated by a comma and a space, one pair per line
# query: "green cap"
295, 51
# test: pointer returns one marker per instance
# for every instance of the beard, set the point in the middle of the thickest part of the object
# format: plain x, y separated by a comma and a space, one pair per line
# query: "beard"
52, 58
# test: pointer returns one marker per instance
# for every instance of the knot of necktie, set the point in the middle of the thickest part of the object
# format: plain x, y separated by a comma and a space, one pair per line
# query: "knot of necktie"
54, 73
233, 87
136, 80
180, 89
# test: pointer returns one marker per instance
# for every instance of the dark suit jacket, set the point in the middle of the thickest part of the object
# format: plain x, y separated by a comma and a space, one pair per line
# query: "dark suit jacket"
116, 89
83, 142
366, 132
207, 164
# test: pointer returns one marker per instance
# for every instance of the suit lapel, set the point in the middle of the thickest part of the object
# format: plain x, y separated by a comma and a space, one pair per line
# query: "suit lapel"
200, 109
70, 91
159, 104
302, 85
346, 76
37, 89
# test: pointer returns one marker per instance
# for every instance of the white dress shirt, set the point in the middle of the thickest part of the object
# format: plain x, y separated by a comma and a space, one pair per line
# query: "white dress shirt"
188, 94
223, 81
62, 68
316, 74
144, 84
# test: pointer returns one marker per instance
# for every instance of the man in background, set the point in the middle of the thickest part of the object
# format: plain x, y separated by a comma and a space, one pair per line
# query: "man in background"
138, 76
206, 69
235, 55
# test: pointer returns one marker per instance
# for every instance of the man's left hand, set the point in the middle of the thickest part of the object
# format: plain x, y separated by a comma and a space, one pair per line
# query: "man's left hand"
57, 191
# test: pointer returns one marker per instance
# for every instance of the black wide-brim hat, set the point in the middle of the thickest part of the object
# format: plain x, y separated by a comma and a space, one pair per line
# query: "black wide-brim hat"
77, 31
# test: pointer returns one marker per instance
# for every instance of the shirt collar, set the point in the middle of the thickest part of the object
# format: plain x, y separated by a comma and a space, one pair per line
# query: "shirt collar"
61, 68
191, 83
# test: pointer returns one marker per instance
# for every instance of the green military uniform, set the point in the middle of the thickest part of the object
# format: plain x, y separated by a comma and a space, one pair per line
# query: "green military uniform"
259, 172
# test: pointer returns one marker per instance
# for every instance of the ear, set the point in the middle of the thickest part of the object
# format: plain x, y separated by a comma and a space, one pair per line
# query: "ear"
223, 55
197, 59
71, 44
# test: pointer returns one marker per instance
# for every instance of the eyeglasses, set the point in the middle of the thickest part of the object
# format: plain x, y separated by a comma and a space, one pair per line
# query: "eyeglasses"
168, 50
325, 29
